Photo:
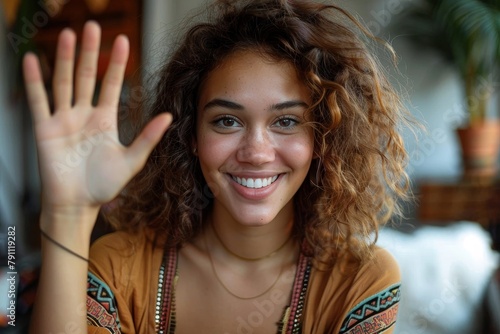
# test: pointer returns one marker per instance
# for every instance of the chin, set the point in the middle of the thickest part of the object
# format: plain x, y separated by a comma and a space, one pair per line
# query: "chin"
256, 223
255, 219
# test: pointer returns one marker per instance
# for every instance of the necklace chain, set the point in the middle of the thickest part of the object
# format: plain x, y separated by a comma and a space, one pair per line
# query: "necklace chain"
222, 283
249, 258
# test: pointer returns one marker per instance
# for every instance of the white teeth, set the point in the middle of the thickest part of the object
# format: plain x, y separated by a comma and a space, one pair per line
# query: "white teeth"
255, 183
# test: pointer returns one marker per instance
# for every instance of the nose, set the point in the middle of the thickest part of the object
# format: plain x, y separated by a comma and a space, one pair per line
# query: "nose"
256, 148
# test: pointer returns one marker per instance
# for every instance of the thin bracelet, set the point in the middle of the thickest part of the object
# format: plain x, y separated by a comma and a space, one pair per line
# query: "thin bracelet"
62, 246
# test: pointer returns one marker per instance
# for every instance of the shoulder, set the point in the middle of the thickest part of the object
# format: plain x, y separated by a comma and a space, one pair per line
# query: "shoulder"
124, 244
347, 295
373, 301
123, 281
118, 254
380, 269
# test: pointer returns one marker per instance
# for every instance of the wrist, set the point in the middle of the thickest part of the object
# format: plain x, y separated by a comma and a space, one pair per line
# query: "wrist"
68, 220
66, 232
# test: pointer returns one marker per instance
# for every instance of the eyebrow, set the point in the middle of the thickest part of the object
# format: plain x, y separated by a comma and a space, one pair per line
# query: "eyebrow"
224, 104
289, 105
235, 106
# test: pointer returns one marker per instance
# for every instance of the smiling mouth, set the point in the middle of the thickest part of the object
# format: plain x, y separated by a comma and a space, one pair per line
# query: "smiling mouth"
255, 183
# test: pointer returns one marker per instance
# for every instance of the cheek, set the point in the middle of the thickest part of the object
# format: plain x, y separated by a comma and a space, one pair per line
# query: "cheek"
214, 149
213, 154
298, 151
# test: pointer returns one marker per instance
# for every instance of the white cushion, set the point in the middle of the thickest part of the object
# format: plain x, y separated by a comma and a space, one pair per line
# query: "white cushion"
445, 272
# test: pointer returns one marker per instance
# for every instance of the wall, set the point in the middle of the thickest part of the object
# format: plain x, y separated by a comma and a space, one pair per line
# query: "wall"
12, 118
162, 19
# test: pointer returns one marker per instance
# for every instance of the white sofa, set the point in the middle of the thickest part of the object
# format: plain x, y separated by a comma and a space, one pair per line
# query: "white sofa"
445, 275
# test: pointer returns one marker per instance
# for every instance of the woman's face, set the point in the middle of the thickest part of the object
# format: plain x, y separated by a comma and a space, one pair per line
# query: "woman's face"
252, 142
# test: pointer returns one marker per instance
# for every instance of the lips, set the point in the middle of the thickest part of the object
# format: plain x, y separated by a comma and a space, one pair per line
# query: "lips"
255, 183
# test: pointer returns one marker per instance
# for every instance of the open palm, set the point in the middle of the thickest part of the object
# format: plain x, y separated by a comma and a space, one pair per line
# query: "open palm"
81, 160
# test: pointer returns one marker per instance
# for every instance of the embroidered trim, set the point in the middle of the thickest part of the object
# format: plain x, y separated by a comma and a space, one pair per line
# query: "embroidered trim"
165, 298
101, 305
293, 313
375, 314
284, 320
294, 324
158, 325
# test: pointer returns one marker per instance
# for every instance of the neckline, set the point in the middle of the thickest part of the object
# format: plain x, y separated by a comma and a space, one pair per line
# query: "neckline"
165, 315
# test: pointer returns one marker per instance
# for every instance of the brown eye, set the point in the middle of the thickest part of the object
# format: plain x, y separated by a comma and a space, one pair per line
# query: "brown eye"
286, 123
228, 122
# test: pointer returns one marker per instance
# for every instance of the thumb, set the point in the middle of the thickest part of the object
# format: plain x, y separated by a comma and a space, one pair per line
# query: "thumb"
141, 148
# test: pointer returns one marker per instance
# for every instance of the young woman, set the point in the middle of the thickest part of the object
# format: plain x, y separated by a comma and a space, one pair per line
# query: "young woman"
255, 212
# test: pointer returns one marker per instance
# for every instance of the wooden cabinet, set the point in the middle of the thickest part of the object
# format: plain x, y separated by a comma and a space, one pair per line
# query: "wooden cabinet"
447, 202
444, 201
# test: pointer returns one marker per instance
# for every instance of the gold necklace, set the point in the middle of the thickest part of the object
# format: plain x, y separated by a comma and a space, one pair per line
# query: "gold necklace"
225, 287
248, 258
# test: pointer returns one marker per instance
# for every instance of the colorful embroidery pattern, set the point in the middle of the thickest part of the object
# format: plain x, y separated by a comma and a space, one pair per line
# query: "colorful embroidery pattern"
165, 302
293, 322
101, 305
375, 314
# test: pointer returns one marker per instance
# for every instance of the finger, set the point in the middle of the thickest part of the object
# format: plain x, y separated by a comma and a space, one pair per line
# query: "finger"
113, 79
142, 146
62, 83
35, 89
87, 64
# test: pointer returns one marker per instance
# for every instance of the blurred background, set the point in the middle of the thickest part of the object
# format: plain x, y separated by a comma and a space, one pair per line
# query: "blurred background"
448, 56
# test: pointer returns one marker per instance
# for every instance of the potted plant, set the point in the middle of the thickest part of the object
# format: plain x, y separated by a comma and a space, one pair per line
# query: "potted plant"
467, 34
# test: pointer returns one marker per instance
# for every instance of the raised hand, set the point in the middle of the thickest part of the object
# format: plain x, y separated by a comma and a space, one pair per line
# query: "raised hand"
81, 161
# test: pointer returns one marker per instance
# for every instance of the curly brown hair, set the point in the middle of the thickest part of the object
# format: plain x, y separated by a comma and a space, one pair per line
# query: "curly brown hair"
358, 176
